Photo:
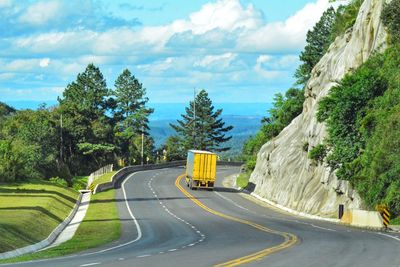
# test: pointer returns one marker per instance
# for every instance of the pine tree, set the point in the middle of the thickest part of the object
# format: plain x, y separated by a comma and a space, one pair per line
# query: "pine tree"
318, 41
87, 129
132, 115
201, 127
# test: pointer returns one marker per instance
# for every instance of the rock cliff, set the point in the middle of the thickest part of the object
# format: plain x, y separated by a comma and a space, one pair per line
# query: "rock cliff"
283, 173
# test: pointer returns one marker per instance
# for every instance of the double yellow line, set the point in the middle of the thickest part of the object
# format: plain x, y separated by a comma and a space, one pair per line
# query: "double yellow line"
289, 239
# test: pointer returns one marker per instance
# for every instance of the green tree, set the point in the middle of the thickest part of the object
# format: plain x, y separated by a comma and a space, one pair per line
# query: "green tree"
29, 146
204, 129
131, 114
84, 108
173, 150
318, 41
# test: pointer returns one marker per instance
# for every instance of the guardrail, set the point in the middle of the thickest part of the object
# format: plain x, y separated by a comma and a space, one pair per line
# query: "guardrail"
117, 178
95, 175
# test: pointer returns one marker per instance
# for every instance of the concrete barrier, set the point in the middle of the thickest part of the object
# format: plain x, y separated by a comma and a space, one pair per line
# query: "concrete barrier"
363, 218
46, 242
117, 178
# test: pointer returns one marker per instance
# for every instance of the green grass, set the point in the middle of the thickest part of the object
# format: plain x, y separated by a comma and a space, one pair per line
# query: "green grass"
243, 179
395, 221
100, 226
105, 178
79, 182
30, 211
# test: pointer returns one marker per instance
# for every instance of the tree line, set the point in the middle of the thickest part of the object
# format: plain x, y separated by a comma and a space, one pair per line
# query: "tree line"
93, 125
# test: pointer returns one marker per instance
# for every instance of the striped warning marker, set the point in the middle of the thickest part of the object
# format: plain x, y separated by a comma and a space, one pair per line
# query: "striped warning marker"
386, 217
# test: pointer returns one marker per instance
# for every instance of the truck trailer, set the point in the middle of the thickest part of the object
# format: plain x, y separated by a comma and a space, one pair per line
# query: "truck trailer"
201, 169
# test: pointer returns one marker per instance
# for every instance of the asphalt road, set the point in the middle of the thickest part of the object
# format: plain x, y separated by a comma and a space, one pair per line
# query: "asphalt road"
163, 226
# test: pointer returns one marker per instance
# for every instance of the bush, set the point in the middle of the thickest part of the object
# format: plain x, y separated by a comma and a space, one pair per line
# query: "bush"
318, 153
391, 19
363, 121
251, 164
58, 181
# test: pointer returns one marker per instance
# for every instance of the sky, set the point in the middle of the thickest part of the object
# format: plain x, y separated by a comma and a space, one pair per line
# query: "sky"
240, 51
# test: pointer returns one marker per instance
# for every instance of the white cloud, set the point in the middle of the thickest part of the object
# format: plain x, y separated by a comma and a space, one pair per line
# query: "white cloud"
225, 15
223, 60
5, 3
270, 73
286, 35
263, 59
41, 13
43, 63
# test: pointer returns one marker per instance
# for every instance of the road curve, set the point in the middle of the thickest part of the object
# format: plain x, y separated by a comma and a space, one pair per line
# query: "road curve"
164, 226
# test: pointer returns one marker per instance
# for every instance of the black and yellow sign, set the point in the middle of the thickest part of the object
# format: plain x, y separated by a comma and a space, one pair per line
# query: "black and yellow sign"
386, 217
383, 210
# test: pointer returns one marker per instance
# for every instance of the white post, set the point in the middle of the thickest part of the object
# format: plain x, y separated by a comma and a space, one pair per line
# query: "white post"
142, 144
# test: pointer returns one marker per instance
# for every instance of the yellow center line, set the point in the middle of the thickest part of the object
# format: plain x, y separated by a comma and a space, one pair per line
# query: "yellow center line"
289, 239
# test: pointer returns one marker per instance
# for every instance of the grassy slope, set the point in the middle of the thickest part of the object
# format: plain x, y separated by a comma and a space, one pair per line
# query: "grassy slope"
104, 178
100, 226
30, 211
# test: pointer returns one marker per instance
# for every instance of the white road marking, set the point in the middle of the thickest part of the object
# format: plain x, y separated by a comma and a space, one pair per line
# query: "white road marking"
178, 218
143, 256
121, 259
391, 236
319, 227
230, 200
90, 264
133, 218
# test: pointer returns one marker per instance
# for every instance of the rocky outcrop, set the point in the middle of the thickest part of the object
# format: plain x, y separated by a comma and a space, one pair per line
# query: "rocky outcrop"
283, 172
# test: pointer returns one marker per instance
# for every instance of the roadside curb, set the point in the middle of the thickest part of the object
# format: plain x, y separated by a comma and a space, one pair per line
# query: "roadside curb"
49, 240
302, 214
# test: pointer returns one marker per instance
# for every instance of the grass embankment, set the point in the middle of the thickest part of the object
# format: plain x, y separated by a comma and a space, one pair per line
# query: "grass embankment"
105, 178
395, 221
30, 211
100, 226
242, 180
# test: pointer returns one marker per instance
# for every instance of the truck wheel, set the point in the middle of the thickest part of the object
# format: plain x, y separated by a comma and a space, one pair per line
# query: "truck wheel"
190, 185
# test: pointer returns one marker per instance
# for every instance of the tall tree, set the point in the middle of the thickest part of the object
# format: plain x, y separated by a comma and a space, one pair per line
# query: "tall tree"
201, 127
132, 116
318, 41
87, 128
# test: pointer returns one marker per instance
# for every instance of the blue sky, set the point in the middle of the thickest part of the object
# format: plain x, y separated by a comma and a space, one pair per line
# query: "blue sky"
238, 50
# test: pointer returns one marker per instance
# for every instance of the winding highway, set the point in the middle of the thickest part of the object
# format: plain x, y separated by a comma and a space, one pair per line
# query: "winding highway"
165, 224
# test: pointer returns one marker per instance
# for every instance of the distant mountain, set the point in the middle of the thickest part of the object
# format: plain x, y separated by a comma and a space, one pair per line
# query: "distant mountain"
244, 126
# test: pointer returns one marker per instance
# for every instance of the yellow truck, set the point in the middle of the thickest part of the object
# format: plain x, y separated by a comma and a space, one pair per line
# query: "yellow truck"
201, 169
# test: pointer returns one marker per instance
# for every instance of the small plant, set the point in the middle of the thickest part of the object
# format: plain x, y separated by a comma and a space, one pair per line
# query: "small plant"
305, 146
318, 153
243, 179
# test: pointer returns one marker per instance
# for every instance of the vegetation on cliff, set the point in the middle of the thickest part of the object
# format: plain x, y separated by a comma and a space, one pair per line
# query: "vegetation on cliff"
362, 114
289, 105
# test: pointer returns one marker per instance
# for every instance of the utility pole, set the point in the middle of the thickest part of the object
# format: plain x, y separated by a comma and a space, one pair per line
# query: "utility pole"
61, 138
142, 144
194, 117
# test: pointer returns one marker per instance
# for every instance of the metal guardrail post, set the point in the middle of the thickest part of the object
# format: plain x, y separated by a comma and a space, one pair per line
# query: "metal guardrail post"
341, 211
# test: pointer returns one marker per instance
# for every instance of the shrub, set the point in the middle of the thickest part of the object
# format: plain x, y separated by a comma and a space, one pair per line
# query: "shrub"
318, 153
391, 19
